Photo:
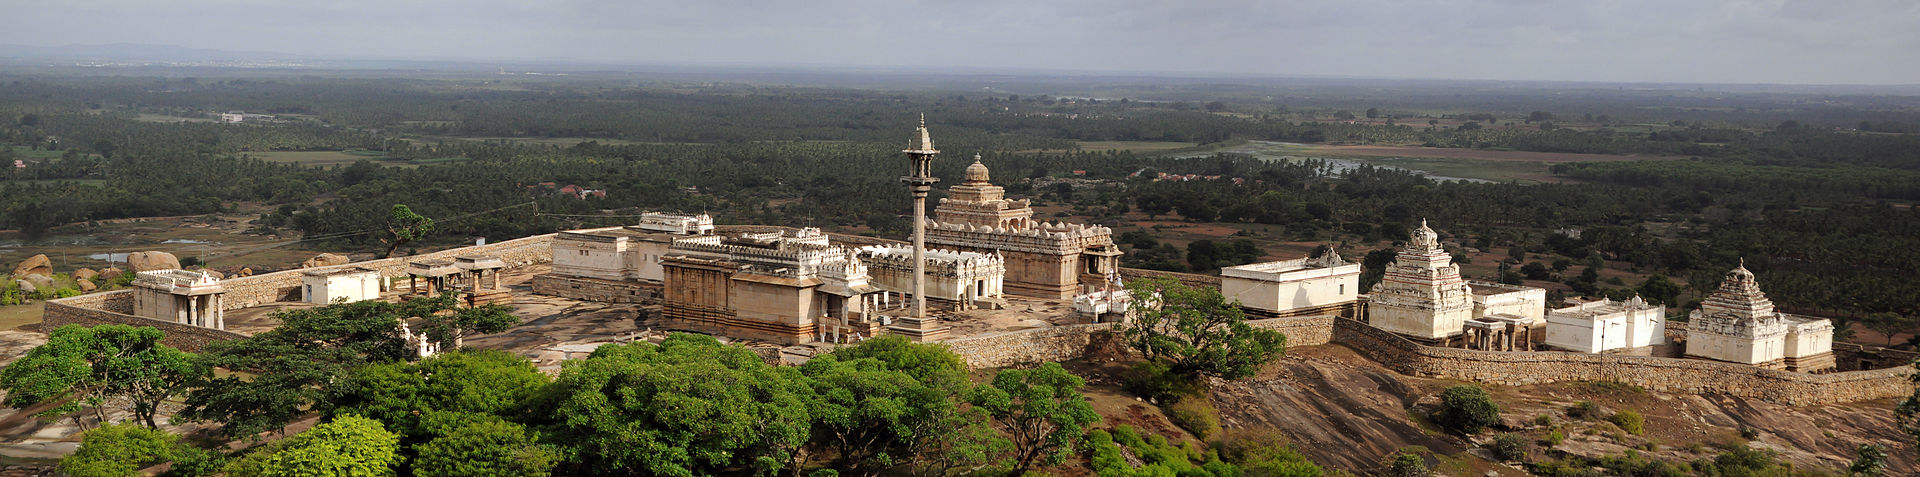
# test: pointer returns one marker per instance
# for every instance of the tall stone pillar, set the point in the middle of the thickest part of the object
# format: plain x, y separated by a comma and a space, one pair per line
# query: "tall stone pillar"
920, 181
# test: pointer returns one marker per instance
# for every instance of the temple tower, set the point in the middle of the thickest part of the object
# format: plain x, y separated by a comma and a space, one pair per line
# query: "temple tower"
1422, 295
920, 182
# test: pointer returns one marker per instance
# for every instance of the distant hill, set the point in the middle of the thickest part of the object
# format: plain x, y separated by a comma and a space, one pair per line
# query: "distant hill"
138, 52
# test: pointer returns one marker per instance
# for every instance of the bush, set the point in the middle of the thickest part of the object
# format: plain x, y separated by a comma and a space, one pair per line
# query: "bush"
1408, 465
1509, 447
1584, 410
116, 450
1156, 380
1543, 420
1555, 437
1467, 409
1630, 421
1263, 454
1195, 414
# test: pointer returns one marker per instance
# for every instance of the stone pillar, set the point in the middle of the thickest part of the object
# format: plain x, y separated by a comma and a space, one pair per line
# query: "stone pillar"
193, 310
220, 312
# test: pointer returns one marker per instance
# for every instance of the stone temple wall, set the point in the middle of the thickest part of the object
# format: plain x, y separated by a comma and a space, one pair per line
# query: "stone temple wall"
1692, 376
244, 292
1495, 367
185, 337
116, 307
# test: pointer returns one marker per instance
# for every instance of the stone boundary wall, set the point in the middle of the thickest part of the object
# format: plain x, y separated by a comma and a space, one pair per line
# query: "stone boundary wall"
1693, 376
244, 292
595, 290
1661, 374
185, 337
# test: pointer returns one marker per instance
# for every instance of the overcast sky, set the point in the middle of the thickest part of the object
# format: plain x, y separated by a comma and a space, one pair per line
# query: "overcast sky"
1730, 41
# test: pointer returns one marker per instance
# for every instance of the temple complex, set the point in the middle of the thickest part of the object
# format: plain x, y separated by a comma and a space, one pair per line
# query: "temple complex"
1324, 285
1606, 325
1046, 260
1495, 299
1738, 324
1422, 295
617, 264
772, 286
180, 296
955, 280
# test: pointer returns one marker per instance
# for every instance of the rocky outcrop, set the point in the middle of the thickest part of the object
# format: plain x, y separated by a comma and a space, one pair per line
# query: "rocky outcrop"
85, 274
326, 260
149, 261
34, 265
86, 286
26, 286
110, 273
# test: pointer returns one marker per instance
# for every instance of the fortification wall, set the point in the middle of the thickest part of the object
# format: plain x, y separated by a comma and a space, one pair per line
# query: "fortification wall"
1656, 373
244, 292
185, 337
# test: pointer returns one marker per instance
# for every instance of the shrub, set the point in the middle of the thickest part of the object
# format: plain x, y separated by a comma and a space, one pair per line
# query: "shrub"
1408, 465
1156, 380
1630, 421
1555, 437
1467, 409
1195, 414
1263, 454
1749, 433
1584, 410
116, 450
1543, 420
1509, 447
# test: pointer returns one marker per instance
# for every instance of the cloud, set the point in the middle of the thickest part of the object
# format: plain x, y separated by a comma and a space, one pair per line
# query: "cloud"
1779, 41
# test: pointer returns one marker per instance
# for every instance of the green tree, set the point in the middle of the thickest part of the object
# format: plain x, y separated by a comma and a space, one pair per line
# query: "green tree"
405, 226
1197, 331
450, 330
400, 395
116, 450
82, 368
881, 402
1888, 324
299, 365
347, 446
1908, 411
1041, 410
686, 406
1467, 408
1872, 462
489, 446
1661, 290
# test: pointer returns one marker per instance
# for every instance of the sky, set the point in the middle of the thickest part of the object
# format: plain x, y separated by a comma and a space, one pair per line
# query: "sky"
1730, 41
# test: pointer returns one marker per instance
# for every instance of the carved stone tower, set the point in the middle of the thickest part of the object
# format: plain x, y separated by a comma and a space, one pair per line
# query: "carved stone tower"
920, 182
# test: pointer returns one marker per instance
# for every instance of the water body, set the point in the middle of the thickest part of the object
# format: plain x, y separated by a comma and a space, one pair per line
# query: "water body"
1285, 151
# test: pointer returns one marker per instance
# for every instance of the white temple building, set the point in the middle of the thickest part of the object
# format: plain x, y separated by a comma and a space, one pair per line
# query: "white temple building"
962, 280
1325, 285
1606, 325
1738, 324
181, 296
339, 285
1422, 295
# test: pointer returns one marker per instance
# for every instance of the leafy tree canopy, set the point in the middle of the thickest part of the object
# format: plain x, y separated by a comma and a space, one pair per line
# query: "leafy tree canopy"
1197, 331
1040, 410
82, 368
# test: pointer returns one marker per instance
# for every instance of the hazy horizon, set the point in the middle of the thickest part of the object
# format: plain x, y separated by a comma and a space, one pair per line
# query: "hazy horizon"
1740, 42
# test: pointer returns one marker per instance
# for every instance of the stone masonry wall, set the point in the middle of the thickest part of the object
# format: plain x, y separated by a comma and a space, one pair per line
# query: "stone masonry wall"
185, 337
1507, 368
244, 292
595, 290
1660, 374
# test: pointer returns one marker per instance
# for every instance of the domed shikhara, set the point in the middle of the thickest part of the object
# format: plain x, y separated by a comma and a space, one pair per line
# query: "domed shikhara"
1424, 238
979, 202
977, 173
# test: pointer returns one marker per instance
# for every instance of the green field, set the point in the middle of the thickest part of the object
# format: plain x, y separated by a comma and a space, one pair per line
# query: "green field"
1135, 146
